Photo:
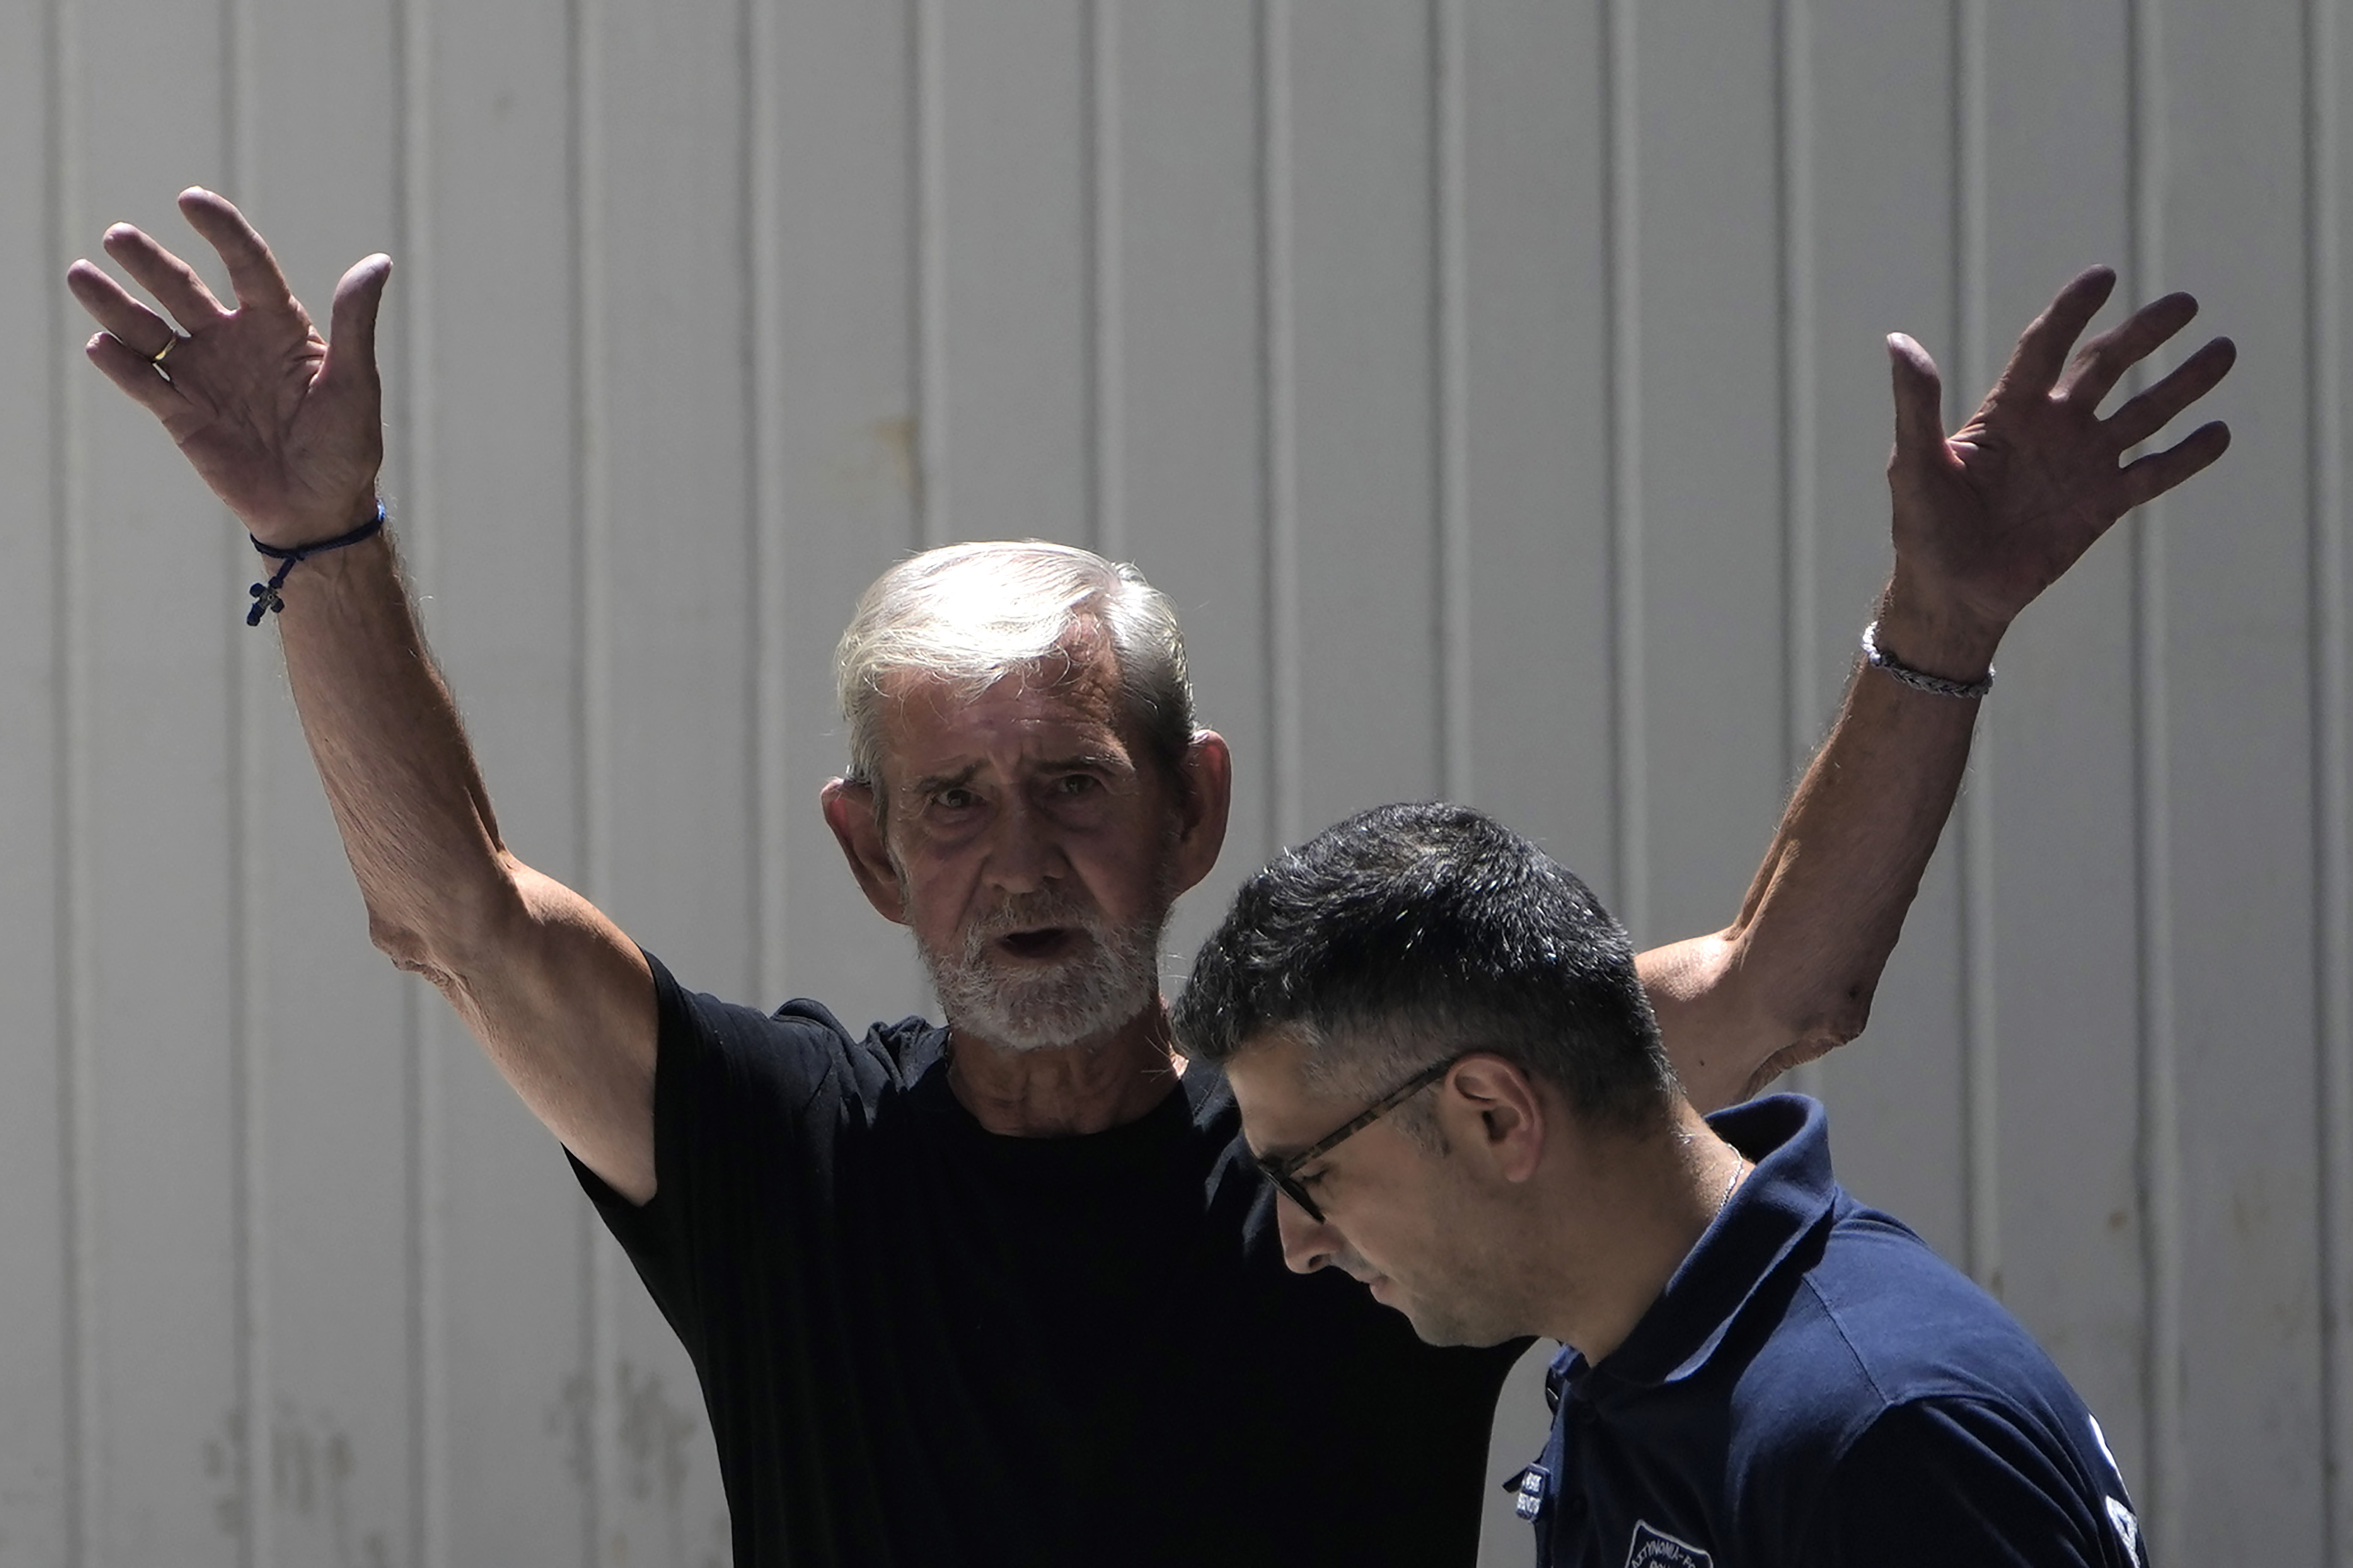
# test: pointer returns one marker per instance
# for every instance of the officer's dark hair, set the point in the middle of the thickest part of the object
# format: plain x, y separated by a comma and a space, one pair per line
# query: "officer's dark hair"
1412, 933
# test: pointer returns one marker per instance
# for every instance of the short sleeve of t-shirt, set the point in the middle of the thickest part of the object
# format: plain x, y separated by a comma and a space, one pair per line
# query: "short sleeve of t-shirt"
1957, 1481
763, 1124
742, 1100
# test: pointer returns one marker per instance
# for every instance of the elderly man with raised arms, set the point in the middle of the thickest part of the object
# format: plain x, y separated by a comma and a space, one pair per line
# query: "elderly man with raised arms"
1010, 1290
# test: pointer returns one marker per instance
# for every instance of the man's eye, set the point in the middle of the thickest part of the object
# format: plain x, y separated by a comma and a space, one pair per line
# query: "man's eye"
955, 799
1076, 784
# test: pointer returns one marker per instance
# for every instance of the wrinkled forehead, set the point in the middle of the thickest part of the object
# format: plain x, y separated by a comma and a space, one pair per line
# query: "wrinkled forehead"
1070, 697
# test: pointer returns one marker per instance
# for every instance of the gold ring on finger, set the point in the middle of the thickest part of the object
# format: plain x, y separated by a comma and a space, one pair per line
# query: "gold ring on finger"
170, 344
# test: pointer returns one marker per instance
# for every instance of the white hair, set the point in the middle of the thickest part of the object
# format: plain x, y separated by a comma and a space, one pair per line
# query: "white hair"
971, 614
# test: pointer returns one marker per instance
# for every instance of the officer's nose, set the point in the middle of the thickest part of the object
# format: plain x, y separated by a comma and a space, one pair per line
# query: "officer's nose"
1308, 1243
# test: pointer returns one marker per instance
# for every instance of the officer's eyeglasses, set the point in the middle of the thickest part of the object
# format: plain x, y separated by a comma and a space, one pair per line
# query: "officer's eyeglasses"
1284, 1173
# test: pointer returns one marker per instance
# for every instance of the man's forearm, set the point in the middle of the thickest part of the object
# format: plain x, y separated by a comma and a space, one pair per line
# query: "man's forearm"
1794, 975
557, 995
398, 772
1983, 522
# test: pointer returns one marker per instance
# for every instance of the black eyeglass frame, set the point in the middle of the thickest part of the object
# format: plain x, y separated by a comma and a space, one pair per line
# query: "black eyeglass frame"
1284, 1172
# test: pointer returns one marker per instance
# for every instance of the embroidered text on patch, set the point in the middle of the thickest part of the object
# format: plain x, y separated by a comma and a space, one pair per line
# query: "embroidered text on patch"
1654, 1548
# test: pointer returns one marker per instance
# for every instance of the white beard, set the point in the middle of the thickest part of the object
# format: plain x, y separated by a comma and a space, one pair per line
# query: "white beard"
1079, 1000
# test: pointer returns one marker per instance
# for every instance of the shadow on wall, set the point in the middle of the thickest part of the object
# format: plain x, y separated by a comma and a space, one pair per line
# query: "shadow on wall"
313, 1461
656, 1450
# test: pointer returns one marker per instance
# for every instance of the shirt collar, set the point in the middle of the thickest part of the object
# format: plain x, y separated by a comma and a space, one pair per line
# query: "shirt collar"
1785, 1197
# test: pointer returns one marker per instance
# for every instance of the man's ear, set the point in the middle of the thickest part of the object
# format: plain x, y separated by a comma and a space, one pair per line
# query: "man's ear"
1202, 806
850, 812
1492, 1107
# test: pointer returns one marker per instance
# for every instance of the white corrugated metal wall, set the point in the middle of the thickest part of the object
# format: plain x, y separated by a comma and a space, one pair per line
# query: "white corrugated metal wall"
1496, 383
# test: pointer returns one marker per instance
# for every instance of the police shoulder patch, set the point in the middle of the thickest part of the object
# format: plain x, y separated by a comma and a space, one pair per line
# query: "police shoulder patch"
2122, 1520
1654, 1548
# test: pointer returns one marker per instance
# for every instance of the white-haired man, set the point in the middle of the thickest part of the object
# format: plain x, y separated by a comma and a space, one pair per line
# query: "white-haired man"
1009, 1291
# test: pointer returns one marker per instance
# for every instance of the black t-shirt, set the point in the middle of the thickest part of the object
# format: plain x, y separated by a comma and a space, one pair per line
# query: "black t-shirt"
923, 1343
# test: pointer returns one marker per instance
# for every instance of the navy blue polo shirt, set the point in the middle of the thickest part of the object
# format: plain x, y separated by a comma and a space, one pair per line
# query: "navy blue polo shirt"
1816, 1386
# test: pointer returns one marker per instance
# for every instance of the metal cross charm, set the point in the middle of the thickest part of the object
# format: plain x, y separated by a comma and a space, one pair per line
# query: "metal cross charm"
266, 598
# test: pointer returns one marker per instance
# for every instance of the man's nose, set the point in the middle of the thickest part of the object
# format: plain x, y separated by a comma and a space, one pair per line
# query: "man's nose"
1022, 854
1308, 1243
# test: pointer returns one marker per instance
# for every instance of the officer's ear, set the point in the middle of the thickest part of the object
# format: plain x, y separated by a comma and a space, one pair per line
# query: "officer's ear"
853, 811
1492, 1109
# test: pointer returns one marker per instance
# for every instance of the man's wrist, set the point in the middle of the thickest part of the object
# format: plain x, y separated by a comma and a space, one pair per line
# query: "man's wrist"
326, 563
283, 534
1936, 637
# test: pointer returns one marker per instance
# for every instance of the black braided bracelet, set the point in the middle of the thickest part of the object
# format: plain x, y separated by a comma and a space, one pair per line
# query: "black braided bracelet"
265, 596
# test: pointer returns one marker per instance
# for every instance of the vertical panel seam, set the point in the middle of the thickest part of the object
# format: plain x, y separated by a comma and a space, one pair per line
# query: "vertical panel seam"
1102, 148
1450, 159
77, 1077
1793, 130
2159, 1113
928, 151
1980, 978
2332, 791
249, 668
1278, 393
1794, 124
1621, 126
1801, 499
429, 1437
763, 375
593, 688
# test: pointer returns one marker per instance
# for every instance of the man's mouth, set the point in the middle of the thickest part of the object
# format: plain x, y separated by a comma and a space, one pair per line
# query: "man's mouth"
1044, 943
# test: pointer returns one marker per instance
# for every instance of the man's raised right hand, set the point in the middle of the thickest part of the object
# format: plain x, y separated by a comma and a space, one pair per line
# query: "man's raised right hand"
287, 429
285, 426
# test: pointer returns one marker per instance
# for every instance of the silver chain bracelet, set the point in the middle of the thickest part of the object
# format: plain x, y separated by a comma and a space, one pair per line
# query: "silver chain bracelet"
1920, 679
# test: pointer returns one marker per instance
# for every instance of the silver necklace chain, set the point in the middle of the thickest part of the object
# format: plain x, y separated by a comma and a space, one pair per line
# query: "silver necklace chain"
1740, 1168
